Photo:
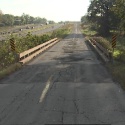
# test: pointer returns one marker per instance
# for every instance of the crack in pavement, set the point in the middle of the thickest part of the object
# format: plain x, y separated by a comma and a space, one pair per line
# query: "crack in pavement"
6, 111
76, 106
62, 117
65, 112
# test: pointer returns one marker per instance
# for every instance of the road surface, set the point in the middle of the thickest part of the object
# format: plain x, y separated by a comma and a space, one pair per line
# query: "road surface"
66, 84
49, 29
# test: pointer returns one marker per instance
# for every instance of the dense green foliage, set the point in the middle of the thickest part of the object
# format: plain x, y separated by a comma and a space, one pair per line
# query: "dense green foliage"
84, 19
106, 15
119, 10
100, 13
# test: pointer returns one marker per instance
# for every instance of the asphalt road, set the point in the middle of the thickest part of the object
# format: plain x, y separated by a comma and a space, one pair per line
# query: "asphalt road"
52, 28
66, 84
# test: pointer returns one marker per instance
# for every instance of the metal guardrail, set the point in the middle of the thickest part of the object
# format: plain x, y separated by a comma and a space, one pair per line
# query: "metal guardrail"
105, 51
31, 53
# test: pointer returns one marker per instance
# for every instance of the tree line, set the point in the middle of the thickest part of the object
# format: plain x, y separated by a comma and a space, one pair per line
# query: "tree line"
106, 15
10, 20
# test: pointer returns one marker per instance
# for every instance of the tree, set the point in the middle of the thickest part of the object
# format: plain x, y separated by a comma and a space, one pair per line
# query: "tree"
99, 12
40, 20
119, 10
25, 18
17, 20
1, 13
51, 22
31, 20
8, 19
84, 19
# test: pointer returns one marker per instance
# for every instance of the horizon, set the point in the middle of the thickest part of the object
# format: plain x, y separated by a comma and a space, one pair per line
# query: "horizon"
51, 10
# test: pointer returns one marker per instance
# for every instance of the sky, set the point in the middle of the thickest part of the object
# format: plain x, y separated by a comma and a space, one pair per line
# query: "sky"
56, 10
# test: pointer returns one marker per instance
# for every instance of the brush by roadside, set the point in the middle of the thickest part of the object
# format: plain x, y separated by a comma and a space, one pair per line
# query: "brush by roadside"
10, 69
117, 69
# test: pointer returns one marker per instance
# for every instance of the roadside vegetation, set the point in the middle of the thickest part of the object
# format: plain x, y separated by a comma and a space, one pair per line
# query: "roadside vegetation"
11, 20
117, 69
101, 23
8, 62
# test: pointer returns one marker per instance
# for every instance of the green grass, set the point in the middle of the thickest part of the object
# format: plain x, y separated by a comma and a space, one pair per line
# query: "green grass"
116, 53
9, 70
118, 72
87, 32
118, 68
119, 51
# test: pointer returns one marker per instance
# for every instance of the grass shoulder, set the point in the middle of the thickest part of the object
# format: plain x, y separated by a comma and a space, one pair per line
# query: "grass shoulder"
117, 69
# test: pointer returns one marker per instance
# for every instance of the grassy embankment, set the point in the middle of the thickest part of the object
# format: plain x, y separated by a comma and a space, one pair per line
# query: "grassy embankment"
8, 62
117, 69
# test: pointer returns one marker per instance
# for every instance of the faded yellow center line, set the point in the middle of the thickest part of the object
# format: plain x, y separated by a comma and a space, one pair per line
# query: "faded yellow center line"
45, 90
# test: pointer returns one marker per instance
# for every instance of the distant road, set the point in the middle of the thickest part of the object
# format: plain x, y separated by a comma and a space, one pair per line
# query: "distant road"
48, 29
67, 84
35, 32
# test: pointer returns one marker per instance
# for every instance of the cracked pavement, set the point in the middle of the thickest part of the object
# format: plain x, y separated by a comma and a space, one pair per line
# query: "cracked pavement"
77, 88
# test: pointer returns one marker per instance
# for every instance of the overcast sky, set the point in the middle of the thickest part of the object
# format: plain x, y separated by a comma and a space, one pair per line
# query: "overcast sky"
57, 10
